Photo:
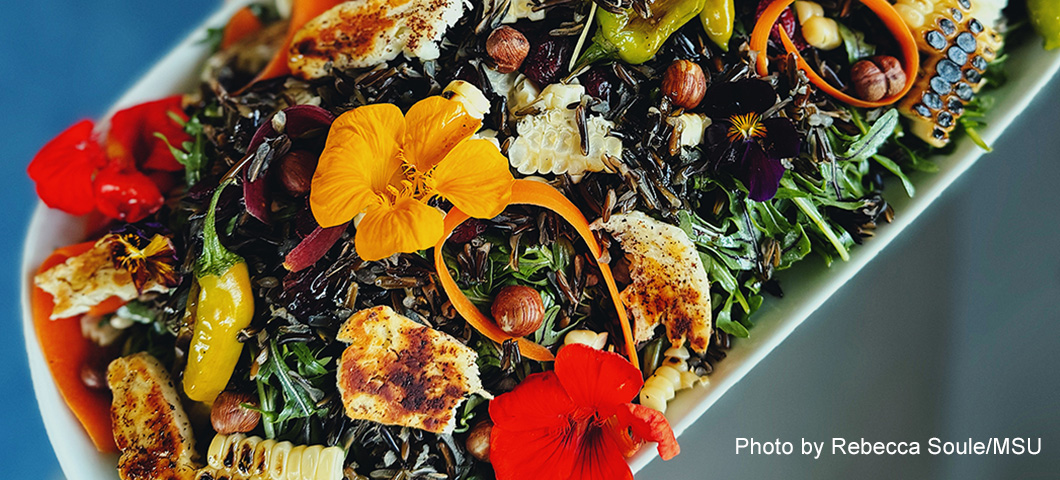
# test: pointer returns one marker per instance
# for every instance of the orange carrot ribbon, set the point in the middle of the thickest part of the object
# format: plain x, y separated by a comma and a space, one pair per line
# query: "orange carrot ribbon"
243, 23
65, 351
529, 192
891, 19
302, 11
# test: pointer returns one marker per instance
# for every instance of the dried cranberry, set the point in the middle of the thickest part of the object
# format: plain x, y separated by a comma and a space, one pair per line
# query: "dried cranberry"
599, 82
788, 21
468, 230
548, 58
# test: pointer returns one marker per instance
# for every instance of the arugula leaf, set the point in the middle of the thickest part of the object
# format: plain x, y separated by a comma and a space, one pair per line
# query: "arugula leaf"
467, 413
897, 171
818, 220
915, 160
868, 144
856, 46
723, 321
289, 384
972, 119
717, 273
213, 38
794, 247
191, 154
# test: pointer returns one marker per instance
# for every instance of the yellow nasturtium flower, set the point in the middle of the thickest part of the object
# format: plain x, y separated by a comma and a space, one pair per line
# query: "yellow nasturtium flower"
388, 166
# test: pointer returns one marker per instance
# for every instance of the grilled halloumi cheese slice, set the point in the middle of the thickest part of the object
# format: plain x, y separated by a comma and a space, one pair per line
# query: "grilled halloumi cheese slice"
398, 372
669, 285
150, 426
86, 280
365, 33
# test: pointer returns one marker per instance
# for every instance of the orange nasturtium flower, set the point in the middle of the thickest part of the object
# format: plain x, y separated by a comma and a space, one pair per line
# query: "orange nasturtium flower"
388, 166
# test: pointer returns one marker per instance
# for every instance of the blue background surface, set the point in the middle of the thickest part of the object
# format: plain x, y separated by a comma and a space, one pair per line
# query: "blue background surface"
951, 332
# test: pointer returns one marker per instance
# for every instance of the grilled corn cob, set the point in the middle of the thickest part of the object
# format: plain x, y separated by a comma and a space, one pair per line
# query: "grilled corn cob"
955, 51
557, 141
239, 457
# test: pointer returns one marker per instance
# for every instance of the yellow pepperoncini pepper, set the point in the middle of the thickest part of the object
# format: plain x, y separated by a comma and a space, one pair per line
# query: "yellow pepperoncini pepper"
225, 305
634, 39
717, 18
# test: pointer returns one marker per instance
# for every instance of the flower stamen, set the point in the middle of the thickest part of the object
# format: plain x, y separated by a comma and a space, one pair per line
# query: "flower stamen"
745, 127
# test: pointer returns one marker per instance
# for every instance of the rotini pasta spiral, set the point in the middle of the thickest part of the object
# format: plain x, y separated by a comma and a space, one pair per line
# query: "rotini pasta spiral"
587, 338
672, 376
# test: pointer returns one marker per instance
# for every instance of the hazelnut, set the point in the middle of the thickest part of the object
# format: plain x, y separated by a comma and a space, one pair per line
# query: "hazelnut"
892, 70
518, 310
296, 171
478, 440
508, 48
228, 415
877, 77
684, 83
94, 377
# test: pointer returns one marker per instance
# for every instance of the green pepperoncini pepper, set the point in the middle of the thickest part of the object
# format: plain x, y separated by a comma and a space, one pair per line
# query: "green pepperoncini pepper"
634, 39
225, 305
717, 18
1045, 15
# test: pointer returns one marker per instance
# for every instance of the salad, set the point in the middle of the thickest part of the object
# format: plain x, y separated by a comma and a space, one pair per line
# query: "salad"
440, 240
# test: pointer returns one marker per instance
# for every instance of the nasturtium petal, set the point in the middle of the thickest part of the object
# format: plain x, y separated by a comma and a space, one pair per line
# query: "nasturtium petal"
131, 139
533, 455
650, 425
475, 177
126, 194
436, 125
528, 440
597, 379
600, 458
538, 402
63, 169
404, 227
361, 156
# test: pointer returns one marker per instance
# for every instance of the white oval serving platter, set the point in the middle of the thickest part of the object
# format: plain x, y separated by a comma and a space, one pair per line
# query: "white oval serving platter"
806, 287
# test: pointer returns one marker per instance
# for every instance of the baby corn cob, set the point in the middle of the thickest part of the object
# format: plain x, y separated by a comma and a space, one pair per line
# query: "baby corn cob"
955, 51
238, 457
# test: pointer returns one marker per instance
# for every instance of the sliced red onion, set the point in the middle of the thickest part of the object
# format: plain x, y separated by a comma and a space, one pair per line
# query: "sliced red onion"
307, 121
313, 247
300, 121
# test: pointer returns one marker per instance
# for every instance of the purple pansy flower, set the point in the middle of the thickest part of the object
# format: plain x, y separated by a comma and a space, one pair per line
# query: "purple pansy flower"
740, 138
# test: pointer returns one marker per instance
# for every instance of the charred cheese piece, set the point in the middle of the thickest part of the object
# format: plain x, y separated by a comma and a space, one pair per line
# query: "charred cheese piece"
398, 372
150, 426
669, 285
365, 33
84, 281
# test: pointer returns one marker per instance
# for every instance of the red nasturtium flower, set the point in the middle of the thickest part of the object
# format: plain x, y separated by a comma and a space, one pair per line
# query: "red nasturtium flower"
575, 422
118, 175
